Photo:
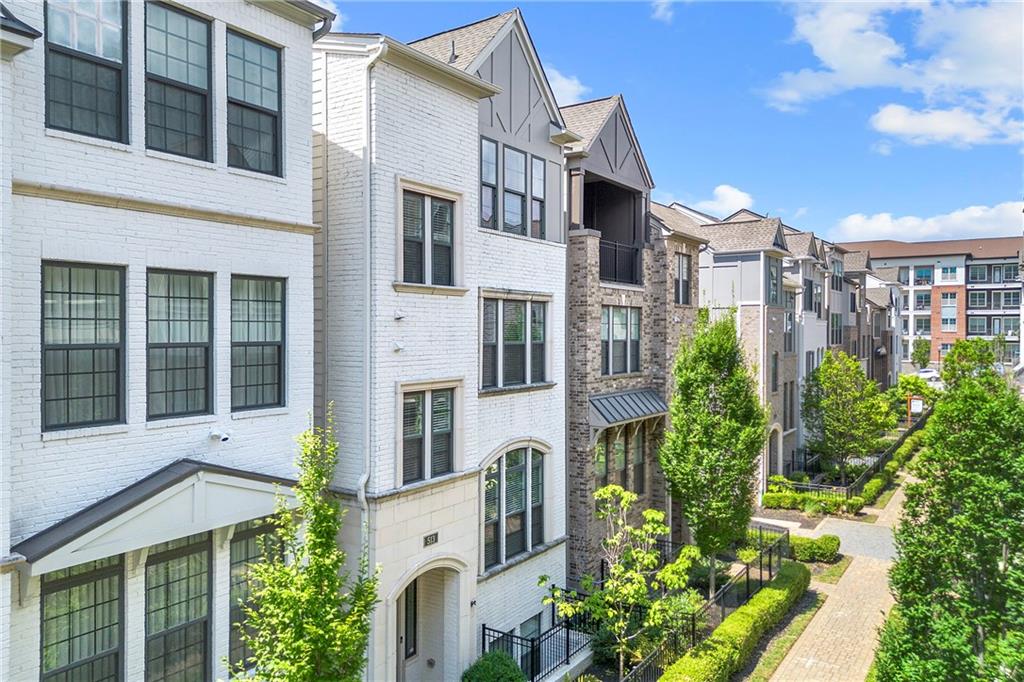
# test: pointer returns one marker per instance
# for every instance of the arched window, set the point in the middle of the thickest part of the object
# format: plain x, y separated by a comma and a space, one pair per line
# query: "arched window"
513, 505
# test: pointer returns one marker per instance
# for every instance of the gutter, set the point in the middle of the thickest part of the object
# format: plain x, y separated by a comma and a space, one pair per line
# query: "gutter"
324, 28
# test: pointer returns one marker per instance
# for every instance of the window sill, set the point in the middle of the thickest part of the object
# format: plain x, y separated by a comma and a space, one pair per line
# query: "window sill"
188, 161
88, 139
521, 558
429, 289
627, 375
621, 286
520, 237
265, 412
171, 422
241, 172
84, 432
521, 388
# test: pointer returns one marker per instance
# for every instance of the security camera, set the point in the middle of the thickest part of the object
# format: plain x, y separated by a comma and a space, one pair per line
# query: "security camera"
222, 436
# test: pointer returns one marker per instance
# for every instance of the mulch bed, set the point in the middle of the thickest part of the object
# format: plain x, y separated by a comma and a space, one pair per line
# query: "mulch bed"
788, 515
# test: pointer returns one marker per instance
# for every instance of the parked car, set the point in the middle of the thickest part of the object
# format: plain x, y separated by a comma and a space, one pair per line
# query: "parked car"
932, 377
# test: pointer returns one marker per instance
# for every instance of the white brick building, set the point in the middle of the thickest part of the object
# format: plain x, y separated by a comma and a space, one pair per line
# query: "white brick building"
157, 287
441, 308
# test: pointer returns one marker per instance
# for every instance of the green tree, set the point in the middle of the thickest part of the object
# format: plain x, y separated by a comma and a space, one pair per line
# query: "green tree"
844, 412
910, 385
627, 602
967, 359
921, 352
710, 454
959, 574
1000, 348
308, 618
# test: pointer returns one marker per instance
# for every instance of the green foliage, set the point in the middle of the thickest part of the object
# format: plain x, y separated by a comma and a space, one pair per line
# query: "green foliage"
874, 487
844, 411
494, 666
909, 447
959, 574
810, 503
734, 641
970, 359
824, 549
921, 352
710, 455
910, 385
626, 602
308, 619
854, 504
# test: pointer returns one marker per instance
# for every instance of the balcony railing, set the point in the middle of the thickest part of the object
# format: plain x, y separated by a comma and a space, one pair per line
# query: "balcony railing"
619, 263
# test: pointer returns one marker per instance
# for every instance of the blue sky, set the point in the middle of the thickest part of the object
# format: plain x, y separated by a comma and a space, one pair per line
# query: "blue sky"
854, 120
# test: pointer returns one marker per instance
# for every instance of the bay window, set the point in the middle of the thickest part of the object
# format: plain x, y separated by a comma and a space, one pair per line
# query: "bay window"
513, 514
428, 418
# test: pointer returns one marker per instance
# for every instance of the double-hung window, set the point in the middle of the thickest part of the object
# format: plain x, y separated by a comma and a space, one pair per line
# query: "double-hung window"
86, 78
513, 517
488, 183
818, 296
1011, 299
775, 372
682, 279
837, 275
178, 103
254, 104
922, 325
948, 273
808, 295
514, 204
428, 428
620, 340
82, 622
948, 311
257, 342
1011, 272
977, 325
836, 329
977, 299
514, 343
788, 332
977, 273
179, 329
537, 179
774, 272
83, 345
428, 238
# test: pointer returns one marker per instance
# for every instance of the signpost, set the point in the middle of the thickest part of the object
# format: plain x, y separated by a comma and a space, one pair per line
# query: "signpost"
915, 405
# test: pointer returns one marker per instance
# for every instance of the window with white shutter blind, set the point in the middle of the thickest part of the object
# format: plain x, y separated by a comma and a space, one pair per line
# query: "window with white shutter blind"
489, 335
514, 342
536, 499
492, 506
412, 437
412, 230
513, 505
537, 311
428, 239
517, 354
428, 434
620, 340
441, 214
441, 432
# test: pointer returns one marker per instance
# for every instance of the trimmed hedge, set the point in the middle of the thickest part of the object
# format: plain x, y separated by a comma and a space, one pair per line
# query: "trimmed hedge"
734, 641
494, 666
824, 548
790, 499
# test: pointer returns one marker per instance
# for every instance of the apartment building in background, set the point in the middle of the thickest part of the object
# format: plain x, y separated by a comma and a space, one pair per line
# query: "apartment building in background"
157, 321
953, 289
441, 307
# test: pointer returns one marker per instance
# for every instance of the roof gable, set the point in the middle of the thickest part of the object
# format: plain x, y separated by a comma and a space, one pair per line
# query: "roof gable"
742, 215
609, 139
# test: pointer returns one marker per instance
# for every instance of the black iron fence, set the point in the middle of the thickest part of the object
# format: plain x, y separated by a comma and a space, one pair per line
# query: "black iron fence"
539, 656
619, 262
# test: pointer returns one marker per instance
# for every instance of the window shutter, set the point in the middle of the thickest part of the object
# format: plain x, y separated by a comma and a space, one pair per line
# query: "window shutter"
441, 432
412, 229
441, 239
412, 432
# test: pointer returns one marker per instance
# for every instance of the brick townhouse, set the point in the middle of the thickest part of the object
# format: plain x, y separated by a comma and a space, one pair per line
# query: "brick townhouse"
157, 321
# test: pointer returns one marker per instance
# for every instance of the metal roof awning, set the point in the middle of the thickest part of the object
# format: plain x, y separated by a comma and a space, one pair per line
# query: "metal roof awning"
627, 406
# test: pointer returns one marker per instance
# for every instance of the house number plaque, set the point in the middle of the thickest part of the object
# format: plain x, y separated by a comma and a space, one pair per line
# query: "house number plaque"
429, 540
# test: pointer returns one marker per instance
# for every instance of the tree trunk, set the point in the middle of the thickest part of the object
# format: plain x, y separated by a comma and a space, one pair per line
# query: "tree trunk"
622, 663
842, 473
711, 576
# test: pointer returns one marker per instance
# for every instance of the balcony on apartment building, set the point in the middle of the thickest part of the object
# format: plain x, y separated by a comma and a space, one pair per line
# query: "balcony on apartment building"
617, 213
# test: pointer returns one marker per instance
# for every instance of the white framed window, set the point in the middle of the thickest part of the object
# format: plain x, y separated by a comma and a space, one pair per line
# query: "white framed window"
428, 432
620, 340
944, 348
922, 325
977, 325
1011, 299
977, 299
1011, 272
923, 300
977, 273
923, 275
948, 311
948, 273
514, 335
428, 239
513, 499
1011, 326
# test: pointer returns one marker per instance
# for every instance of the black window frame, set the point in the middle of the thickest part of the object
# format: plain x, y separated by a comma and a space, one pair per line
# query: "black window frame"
775, 372
123, 68
633, 347
537, 201
207, 94
277, 115
493, 365
427, 263
121, 384
255, 529
682, 284
210, 395
505, 227
410, 621
492, 188
282, 346
50, 586
529, 522
422, 445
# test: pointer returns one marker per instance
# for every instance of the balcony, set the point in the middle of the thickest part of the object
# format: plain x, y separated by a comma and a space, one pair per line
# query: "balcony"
619, 263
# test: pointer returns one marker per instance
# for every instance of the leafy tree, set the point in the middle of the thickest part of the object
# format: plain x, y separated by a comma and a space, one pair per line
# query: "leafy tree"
626, 603
844, 412
910, 385
710, 455
959, 574
969, 358
308, 619
1000, 348
921, 352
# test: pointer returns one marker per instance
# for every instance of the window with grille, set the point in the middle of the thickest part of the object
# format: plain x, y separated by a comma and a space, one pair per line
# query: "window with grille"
682, 279
948, 273
514, 194
177, 609
513, 343
836, 329
513, 515
257, 342
86, 81
83, 345
537, 179
774, 274
837, 275
620, 340
178, 101
254, 104
82, 617
428, 425
428, 238
488, 183
948, 311
248, 544
179, 329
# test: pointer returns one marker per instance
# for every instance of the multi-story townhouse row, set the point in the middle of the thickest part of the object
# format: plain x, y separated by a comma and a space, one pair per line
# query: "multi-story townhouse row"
953, 289
741, 269
631, 294
441, 299
157, 289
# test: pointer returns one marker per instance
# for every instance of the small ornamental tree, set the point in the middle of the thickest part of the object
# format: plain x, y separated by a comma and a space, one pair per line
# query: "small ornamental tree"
710, 454
969, 358
307, 618
910, 385
844, 412
626, 603
921, 352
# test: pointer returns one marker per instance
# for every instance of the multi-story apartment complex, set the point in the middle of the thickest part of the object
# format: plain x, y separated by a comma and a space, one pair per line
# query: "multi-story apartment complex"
953, 289
157, 289
442, 303
630, 295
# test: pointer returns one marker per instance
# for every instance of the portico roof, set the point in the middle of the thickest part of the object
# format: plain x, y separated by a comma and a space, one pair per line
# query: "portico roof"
626, 406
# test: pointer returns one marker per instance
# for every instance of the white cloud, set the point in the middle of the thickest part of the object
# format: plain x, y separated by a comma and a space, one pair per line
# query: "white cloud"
726, 201
567, 89
800, 213
882, 147
1000, 220
661, 10
967, 76
339, 19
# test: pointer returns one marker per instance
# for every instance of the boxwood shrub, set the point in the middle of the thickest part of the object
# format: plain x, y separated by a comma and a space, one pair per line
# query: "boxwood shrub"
805, 501
494, 666
734, 641
824, 548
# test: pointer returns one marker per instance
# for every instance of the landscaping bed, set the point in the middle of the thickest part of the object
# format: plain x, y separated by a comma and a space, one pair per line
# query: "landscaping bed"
830, 572
780, 639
